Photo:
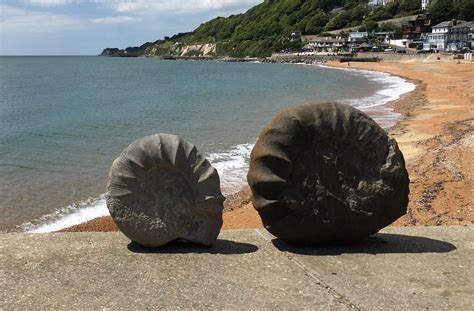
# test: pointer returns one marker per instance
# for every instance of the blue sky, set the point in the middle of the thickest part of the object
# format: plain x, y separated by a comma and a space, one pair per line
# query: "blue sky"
80, 27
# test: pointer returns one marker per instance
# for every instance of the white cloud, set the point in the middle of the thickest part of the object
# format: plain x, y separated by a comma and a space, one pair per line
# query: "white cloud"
189, 6
114, 20
14, 19
159, 6
51, 2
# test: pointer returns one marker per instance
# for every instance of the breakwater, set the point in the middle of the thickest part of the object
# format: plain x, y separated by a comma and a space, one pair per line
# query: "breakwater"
311, 59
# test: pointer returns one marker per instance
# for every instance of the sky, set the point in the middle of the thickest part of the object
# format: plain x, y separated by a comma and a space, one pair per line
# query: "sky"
81, 27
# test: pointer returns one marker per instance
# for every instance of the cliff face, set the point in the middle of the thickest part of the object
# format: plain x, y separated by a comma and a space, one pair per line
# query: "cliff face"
164, 49
183, 50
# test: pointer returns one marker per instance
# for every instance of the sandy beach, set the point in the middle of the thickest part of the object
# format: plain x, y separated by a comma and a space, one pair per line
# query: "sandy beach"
435, 134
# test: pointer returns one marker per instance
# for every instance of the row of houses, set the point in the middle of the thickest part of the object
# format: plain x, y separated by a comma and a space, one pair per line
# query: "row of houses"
449, 36
417, 34
446, 36
357, 42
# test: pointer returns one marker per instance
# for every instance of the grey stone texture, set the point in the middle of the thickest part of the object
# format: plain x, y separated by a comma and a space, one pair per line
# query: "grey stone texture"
327, 173
415, 268
162, 189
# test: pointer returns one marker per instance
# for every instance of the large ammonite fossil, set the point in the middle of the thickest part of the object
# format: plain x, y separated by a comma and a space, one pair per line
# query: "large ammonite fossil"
162, 189
327, 173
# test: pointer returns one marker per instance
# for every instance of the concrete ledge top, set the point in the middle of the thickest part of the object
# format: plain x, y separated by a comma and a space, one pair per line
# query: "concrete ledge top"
410, 268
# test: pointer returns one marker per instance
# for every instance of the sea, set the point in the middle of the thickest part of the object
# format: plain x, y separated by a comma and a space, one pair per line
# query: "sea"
63, 120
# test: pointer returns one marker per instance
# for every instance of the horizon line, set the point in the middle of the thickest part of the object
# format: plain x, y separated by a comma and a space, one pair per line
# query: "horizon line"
44, 55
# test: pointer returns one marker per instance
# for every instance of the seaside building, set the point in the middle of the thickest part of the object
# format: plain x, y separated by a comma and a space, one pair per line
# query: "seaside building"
413, 31
461, 36
318, 44
358, 41
416, 27
438, 38
384, 36
358, 36
363, 47
411, 35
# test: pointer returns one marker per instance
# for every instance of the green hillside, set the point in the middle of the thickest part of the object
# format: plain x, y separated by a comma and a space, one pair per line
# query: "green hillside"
267, 27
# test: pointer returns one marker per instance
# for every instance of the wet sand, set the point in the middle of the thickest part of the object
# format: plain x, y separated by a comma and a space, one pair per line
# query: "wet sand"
436, 135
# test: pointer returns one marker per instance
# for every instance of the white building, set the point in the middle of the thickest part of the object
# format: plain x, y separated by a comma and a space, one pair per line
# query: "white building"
379, 2
358, 36
403, 43
438, 38
425, 4
324, 44
376, 2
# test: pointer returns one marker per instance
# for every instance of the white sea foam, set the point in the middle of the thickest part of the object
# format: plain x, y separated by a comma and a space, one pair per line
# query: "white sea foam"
233, 164
69, 216
393, 87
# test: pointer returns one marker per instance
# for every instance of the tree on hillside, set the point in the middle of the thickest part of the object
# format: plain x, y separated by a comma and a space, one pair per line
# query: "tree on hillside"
466, 10
316, 23
369, 25
409, 5
443, 10
338, 21
358, 13
392, 8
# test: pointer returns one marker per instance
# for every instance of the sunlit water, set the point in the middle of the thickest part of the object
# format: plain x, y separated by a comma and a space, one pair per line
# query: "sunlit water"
63, 120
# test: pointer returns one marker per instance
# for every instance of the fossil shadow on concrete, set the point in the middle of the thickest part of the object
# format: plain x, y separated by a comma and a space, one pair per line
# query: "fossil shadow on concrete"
223, 247
381, 243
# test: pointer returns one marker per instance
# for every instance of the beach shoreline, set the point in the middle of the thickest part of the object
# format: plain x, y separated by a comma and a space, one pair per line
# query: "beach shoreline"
232, 163
444, 198
436, 137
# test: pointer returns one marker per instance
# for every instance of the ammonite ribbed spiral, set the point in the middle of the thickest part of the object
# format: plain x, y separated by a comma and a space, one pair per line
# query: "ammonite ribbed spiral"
327, 173
162, 189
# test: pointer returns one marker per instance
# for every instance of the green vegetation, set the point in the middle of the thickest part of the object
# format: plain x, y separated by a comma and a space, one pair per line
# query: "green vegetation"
268, 27
445, 10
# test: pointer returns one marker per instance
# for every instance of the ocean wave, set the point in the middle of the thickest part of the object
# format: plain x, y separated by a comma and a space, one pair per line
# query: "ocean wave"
232, 166
392, 88
233, 163
69, 216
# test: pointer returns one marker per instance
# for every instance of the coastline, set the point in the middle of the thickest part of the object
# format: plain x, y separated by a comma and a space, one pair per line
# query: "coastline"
427, 197
436, 135
232, 163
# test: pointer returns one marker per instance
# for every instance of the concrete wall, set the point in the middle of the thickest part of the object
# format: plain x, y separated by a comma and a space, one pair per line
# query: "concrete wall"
384, 56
